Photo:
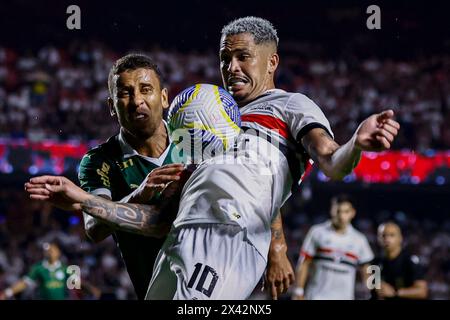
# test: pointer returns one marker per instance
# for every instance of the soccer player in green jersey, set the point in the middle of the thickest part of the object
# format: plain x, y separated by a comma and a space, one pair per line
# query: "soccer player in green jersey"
50, 275
135, 164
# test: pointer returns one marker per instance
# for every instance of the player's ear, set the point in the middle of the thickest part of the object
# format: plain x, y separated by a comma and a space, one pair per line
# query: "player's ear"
112, 111
273, 62
165, 98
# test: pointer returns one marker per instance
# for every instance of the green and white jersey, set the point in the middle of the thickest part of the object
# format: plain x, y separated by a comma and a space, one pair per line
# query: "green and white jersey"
115, 169
51, 280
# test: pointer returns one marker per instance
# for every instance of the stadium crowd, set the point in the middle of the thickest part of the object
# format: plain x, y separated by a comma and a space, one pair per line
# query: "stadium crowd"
55, 93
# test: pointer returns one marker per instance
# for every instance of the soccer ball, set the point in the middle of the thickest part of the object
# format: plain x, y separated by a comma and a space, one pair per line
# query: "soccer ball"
204, 121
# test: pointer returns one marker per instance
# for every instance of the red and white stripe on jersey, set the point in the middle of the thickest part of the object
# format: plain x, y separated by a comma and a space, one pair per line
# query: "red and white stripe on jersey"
334, 255
277, 129
269, 122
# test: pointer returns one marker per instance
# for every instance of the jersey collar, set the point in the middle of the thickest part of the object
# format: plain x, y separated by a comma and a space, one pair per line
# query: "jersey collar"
128, 151
347, 230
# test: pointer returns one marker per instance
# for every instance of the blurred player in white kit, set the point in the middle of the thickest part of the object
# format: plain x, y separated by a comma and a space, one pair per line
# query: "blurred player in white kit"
331, 253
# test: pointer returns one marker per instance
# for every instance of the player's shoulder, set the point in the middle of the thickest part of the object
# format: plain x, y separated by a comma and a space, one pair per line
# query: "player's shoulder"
409, 258
320, 227
297, 99
37, 266
358, 235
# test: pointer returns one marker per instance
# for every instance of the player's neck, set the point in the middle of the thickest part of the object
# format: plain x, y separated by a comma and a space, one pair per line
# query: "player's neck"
52, 263
340, 229
270, 85
152, 146
394, 253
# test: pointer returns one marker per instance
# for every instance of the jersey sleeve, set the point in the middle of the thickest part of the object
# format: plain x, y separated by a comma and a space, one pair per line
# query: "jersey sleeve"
303, 115
366, 254
33, 275
95, 174
309, 245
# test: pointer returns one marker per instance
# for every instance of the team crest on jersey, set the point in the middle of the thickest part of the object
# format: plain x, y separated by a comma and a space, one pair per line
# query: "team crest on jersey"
59, 275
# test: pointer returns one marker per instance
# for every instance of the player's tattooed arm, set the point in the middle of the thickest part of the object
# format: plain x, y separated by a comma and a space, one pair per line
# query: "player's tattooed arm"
96, 230
136, 218
277, 230
334, 160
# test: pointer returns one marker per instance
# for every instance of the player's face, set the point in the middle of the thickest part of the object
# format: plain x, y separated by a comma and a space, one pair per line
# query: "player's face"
247, 68
342, 214
389, 237
139, 101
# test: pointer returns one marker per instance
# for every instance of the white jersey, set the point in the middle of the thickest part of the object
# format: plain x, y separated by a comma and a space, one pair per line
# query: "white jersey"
335, 259
247, 188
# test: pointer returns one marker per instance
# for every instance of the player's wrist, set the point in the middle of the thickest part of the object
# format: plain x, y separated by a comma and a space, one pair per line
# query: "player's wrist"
277, 248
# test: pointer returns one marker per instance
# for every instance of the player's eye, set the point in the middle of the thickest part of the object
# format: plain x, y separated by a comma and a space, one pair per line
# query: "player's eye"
146, 90
123, 93
244, 56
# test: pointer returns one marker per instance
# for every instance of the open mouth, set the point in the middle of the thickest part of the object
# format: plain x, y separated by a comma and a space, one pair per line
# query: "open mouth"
139, 116
235, 83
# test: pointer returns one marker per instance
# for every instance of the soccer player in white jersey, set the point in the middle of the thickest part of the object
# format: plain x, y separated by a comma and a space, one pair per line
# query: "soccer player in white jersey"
219, 241
331, 253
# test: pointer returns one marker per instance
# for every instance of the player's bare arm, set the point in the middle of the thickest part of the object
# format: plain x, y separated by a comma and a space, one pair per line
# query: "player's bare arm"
376, 133
279, 274
135, 218
301, 275
154, 182
419, 290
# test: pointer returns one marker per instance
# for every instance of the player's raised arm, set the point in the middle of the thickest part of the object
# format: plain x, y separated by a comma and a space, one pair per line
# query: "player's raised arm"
376, 133
135, 218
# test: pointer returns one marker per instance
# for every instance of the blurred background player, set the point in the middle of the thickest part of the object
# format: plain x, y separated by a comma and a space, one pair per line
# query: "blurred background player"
330, 255
50, 275
402, 275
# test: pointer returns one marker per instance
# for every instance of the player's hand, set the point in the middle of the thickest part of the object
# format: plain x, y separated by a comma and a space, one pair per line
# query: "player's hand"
279, 274
156, 181
59, 191
377, 132
386, 291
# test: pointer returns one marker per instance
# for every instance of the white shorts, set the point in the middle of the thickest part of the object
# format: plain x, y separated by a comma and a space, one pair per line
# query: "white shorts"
208, 261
